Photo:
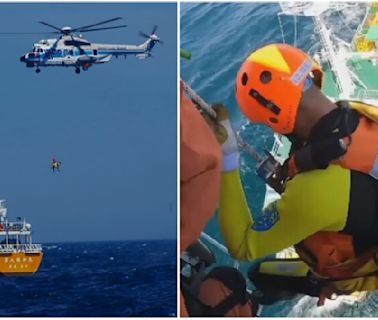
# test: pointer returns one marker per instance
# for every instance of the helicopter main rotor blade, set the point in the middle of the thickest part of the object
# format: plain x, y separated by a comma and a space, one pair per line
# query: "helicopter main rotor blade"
107, 28
50, 25
143, 34
96, 24
52, 48
154, 29
13, 33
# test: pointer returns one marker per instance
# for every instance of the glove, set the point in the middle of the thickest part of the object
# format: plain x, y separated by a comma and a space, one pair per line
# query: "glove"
225, 135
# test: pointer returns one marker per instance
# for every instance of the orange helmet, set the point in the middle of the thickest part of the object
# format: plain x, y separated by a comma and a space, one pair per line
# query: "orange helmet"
270, 83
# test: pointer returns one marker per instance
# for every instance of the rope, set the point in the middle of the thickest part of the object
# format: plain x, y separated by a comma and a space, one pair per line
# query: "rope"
281, 27
201, 103
295, 30
210, 111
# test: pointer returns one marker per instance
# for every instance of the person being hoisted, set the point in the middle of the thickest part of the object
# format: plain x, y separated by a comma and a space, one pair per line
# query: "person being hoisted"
55, 165
329, 205
221, 291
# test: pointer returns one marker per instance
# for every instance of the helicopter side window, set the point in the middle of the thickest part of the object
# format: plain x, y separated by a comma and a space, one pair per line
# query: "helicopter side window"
65, 52
59, 52
95, 52
71, 52
81, 51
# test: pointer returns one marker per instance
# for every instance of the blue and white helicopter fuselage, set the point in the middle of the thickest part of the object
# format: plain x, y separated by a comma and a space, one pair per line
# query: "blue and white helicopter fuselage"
73, 51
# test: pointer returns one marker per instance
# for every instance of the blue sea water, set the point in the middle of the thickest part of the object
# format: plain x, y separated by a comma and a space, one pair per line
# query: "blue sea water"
220, 36
108, 279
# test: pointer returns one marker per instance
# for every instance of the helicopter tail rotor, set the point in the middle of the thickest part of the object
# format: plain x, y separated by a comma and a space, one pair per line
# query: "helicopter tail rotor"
152, 36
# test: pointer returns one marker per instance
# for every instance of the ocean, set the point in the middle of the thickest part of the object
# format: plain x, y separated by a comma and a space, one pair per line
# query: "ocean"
220, 36
92, 279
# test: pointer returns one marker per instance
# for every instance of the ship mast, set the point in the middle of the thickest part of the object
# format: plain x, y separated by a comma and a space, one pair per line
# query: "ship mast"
337, 60
335, 56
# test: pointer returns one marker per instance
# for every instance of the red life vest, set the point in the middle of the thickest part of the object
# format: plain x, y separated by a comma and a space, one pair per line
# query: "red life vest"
331, 255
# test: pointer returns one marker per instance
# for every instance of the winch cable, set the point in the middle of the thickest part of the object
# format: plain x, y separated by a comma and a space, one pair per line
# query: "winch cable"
211, 112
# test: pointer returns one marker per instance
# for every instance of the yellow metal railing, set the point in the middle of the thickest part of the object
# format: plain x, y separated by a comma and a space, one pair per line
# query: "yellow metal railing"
361, 43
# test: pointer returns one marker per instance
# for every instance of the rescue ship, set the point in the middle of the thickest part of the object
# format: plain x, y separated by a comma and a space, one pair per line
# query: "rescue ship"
18, 255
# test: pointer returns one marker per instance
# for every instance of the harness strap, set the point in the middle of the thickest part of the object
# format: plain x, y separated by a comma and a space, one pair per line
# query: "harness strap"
326, 142
229, 277
235, 282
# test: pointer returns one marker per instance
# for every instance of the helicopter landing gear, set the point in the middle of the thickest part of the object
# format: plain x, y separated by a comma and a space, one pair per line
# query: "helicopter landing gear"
77, 70
37, 70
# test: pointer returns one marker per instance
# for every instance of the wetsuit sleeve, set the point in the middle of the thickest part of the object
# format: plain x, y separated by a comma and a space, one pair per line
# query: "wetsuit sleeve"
313, 201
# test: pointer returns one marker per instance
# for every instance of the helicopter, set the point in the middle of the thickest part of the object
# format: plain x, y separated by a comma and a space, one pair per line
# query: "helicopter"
72, 50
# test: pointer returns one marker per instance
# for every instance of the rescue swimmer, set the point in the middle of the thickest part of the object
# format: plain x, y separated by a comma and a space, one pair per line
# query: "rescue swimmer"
55, 165
329, 207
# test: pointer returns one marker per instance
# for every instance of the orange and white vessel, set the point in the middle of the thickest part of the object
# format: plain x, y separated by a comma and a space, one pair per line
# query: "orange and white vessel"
18, 255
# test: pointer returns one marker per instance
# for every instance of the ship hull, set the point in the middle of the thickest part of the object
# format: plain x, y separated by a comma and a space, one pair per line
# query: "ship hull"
20, 263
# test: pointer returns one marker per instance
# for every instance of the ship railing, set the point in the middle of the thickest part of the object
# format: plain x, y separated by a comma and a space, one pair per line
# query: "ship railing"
17, 227
368, 95
30, 248
6, 248
14, 226
311, 8
360, 27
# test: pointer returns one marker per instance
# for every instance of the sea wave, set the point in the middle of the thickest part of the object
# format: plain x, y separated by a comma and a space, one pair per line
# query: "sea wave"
81, 280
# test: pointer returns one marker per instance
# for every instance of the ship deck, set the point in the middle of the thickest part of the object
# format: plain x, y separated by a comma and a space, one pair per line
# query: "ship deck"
365, 70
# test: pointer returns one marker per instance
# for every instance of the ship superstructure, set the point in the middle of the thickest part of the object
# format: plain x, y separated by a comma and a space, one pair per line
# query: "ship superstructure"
18, 254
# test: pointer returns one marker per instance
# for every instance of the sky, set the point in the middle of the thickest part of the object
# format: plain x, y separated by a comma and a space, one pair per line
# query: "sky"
113, 128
